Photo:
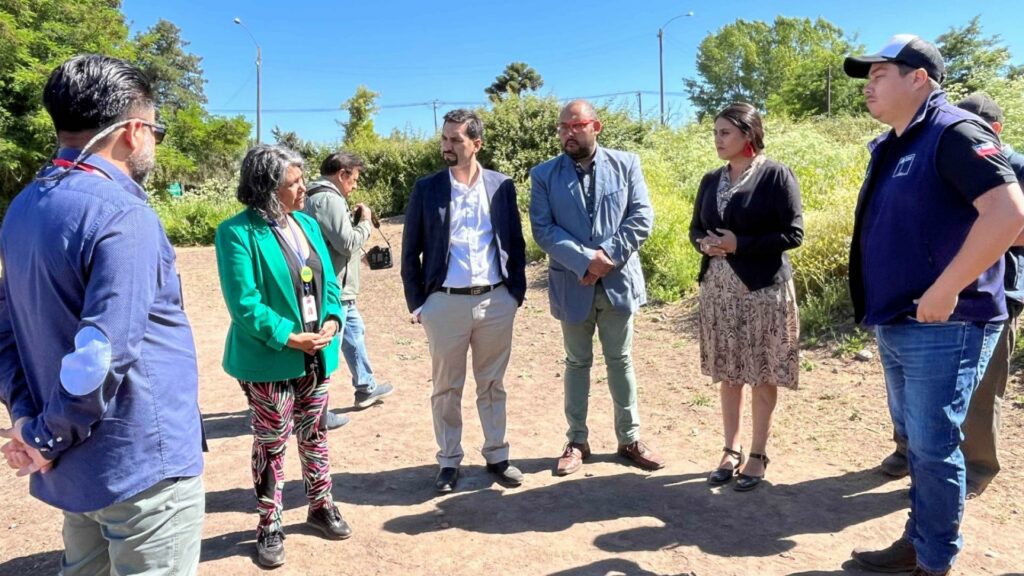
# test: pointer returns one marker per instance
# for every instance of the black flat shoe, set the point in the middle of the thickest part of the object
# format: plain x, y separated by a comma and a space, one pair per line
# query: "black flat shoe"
724, 475
746, 482
446, 480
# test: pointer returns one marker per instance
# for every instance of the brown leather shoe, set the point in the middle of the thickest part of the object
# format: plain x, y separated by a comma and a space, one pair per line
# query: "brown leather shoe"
642, 455
899, 556
572, 458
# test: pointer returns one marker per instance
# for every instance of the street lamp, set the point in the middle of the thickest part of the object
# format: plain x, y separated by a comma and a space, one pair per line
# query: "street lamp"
661, 60
259, 67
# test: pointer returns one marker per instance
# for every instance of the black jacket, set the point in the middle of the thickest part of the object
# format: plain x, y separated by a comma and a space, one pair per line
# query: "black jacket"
766, 217
425, 237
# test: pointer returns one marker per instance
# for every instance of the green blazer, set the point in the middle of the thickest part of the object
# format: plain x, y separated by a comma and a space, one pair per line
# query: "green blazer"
261, 299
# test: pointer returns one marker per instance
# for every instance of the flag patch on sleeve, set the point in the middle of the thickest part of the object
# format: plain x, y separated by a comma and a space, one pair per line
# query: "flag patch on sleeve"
986, 149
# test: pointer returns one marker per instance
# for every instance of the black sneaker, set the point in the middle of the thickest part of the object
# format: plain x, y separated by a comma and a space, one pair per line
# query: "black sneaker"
270, 549
367, 399
329, 521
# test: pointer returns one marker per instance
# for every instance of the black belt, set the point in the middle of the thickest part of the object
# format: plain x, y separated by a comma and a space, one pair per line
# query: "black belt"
471, 290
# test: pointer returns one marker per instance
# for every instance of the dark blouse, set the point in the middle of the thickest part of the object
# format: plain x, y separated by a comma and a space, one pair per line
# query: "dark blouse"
295, 268
766, 216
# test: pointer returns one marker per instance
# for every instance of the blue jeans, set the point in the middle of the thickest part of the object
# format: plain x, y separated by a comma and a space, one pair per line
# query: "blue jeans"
353, 347
930, 372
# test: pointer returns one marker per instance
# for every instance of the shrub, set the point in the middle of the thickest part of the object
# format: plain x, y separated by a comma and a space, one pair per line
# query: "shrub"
192, 219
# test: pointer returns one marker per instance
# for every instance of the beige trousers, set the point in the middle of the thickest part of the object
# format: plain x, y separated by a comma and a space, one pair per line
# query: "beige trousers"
456, 324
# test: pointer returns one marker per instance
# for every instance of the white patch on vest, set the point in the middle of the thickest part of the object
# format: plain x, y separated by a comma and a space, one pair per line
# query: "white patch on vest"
903, 166
83, 371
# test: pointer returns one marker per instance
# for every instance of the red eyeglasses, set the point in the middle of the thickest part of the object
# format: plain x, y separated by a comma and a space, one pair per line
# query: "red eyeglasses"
575, 126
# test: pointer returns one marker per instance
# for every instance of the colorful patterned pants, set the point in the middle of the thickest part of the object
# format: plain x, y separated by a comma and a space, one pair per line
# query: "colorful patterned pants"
276, 409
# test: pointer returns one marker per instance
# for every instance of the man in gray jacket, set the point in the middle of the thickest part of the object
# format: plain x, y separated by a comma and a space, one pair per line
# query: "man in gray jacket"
326, 201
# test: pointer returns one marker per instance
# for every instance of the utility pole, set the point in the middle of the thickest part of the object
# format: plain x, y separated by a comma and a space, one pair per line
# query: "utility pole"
640, 105
259, 73
435, 104
661, 61
828, 92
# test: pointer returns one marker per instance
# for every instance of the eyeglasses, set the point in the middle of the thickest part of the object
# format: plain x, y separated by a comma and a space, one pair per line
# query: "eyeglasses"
577, 126
159, 130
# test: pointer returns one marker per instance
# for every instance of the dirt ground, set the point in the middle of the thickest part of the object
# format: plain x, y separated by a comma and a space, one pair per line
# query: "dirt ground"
824, 493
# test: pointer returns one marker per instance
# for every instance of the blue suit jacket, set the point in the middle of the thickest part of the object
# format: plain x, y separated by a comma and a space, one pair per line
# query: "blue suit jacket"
623, 219
426, 234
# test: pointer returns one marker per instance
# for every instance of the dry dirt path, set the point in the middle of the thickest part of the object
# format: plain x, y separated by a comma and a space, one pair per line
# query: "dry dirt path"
824, 495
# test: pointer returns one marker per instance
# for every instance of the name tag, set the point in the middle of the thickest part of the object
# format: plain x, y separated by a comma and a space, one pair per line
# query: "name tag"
309, 309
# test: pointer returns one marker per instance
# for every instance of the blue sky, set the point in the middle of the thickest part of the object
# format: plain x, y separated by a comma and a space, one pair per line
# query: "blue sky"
315, 53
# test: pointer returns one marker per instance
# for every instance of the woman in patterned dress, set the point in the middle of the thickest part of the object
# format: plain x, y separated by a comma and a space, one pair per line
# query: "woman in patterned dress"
747, 214
281, 293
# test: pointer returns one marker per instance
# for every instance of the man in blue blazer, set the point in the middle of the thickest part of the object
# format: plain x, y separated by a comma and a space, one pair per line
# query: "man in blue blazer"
590, 212
464, 272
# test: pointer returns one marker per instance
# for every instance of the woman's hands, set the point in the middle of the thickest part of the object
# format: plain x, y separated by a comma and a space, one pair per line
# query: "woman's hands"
313, 342
718, 242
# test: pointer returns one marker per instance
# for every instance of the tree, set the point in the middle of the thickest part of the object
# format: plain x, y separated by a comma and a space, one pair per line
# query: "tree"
35, 37
972, 61
361, 108
309, 151
783, 67
176, 75
200, 146
517, 78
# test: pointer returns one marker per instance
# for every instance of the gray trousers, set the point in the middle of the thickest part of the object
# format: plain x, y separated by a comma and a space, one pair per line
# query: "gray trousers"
456, 324
157, 532
615, 331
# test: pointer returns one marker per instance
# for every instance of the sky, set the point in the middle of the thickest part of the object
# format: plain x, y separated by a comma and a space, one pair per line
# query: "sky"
316, 53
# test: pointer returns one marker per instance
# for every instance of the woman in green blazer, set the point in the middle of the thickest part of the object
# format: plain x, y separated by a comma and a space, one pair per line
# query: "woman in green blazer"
280, 290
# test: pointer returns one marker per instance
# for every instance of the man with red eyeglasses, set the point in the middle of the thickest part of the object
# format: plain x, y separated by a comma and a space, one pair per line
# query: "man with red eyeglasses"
590, 212
97, 362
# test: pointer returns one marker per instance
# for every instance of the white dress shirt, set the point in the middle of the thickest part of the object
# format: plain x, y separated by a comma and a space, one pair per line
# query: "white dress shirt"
472, 252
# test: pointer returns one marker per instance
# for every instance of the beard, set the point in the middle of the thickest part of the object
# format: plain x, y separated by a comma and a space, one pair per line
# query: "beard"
142, 163
450, 159
578, 152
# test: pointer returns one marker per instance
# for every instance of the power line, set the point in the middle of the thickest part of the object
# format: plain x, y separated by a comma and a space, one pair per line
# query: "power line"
430, 104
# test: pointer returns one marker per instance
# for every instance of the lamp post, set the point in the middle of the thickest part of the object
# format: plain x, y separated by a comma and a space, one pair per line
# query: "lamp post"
661, 60
259, 69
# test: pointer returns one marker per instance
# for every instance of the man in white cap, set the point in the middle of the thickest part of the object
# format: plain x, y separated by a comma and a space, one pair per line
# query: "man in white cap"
939, 207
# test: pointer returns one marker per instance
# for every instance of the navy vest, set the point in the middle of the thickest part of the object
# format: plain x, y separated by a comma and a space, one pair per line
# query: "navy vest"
910, 224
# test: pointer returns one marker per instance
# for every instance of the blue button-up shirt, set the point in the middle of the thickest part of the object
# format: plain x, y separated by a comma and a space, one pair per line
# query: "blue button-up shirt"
95, 348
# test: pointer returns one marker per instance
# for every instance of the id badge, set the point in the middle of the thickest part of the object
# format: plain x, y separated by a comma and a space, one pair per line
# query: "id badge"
309, 309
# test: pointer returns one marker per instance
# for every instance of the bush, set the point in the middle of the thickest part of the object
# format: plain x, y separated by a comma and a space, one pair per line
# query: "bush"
192, 219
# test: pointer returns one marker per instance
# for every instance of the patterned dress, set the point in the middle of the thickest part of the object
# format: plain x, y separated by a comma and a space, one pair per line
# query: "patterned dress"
747, 337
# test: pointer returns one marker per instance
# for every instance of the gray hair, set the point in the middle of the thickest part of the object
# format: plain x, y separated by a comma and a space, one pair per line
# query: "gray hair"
263, 169
474, 125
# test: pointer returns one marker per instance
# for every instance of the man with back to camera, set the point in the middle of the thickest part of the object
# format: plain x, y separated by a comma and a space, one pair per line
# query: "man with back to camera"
97, 361
939, 207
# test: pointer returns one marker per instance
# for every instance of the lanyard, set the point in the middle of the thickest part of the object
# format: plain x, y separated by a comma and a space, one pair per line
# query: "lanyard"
62, 163
306, 273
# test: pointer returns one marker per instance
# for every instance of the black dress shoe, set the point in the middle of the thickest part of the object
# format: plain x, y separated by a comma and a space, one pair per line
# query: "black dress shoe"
446, 480
506, 473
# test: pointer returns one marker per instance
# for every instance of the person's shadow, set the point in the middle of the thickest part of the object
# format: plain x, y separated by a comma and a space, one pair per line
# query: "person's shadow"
693, 514
226, 424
